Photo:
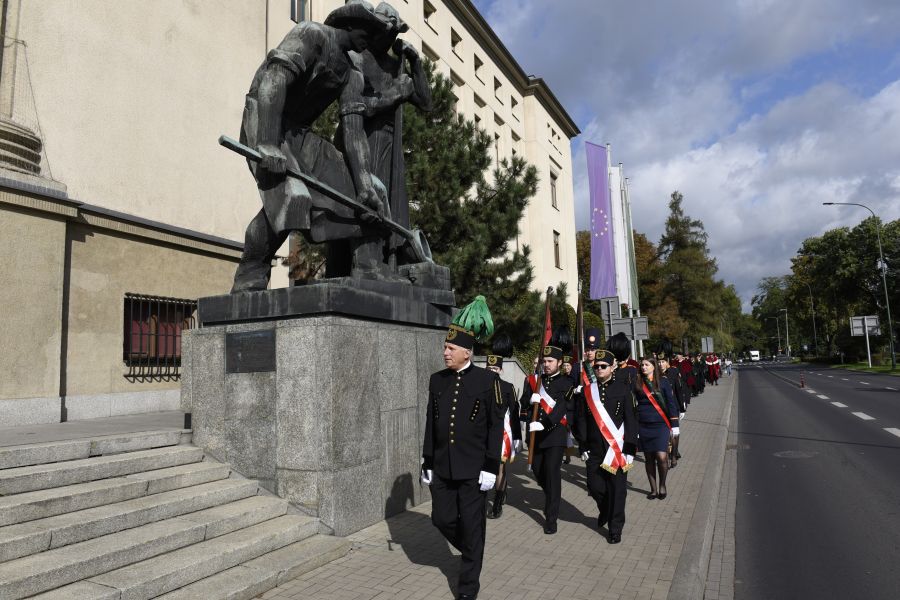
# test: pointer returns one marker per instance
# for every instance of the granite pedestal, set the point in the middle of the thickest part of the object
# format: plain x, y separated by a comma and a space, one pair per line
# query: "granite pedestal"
326, 410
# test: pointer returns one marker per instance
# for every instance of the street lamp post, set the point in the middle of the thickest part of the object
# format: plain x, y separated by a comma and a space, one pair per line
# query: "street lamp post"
887, 301
787, 332
778, 328
812, 308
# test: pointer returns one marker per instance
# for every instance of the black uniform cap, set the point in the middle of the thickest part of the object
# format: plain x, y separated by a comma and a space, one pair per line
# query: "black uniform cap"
620, 346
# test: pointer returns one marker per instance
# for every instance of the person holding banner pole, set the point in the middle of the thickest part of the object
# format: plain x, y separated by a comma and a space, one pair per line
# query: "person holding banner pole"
607, 432
512, 428
658, 421
551, 397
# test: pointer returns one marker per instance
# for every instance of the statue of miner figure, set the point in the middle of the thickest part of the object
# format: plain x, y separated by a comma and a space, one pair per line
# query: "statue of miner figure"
311, 68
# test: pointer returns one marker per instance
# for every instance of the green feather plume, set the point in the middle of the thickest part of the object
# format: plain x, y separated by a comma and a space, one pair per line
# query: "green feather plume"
476, 317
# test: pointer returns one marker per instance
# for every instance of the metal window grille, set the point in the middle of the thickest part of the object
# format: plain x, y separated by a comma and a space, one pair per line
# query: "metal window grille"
152, 335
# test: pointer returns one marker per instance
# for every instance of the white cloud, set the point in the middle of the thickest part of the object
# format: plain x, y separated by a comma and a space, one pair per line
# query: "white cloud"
672, 85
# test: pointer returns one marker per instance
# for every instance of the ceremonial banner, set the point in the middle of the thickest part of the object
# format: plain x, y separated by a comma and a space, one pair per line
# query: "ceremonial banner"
603, 260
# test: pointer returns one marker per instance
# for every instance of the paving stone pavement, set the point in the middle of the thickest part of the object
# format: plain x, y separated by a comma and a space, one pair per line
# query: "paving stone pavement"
404, 557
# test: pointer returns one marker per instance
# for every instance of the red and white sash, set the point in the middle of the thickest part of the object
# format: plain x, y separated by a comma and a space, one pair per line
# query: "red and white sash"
547, 403
614, 436
508, 452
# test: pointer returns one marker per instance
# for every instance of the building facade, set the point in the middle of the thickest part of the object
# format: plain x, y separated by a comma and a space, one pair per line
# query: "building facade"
118, 209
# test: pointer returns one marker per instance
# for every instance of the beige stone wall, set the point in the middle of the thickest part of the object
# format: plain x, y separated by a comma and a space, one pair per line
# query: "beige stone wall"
105, 266
31, 284
132, 96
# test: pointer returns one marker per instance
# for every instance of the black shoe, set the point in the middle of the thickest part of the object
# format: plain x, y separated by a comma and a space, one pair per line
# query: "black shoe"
614, 538
567, 460
677, 454
662, 496
550, 528
466, 597
497, 508
651, 496
601, 521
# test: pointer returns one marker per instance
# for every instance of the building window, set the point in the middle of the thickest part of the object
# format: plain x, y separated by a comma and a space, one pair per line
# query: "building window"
152, 335
428, 11
556, 249
429, 53
497, 87
513, 105
478, 67
478, 101
299, 10
553, 178
455, 43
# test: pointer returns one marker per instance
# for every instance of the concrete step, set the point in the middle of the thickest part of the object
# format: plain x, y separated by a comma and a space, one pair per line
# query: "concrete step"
40, 504
261, 574
29, 575
171, 571
51, 452
32, 537
39, 477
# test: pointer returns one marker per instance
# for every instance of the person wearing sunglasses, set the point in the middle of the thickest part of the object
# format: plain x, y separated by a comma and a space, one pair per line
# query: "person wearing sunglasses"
606, 429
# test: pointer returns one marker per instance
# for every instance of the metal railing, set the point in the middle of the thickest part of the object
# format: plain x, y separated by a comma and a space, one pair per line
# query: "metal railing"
153, 326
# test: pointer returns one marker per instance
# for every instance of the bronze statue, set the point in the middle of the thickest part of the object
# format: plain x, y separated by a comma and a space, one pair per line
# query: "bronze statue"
343, 194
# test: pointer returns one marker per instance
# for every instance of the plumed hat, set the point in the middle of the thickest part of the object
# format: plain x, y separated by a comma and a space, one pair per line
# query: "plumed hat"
560, 339
472, 323
619, 345
592, 338
664, 350
502, 347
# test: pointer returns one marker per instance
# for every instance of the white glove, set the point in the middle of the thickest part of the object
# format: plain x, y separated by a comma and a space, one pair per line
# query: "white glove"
578, 389
517, 444
426, 476
629, 458
535, 398
585, 455
487, 480
680, 416
536, 426
676, 431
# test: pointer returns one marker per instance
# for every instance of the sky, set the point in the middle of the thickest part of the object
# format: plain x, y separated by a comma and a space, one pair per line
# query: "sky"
757, 111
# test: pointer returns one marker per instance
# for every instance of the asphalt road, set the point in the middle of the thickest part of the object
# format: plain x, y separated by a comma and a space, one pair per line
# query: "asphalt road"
818, 490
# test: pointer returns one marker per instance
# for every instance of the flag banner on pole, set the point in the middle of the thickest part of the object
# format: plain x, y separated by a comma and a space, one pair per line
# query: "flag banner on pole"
603, 260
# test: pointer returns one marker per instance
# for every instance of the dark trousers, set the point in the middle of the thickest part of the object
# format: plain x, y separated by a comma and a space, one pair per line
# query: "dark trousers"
609, 492
458, 511
546, 466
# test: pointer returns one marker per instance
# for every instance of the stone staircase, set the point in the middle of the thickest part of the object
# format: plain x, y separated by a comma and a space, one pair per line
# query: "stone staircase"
144, 515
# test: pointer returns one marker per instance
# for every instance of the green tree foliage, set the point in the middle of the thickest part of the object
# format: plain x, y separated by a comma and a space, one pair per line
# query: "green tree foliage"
835, 276
471, 214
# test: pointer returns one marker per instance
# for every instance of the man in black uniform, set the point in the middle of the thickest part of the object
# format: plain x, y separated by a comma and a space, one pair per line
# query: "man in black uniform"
551, 432
461, 451
620, 346
512, 427
611, 402
673, 374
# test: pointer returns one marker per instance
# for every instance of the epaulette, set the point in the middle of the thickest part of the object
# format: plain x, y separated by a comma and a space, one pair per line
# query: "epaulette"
497, 392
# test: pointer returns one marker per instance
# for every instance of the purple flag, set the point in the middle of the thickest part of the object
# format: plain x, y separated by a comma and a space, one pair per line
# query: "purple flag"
603, 258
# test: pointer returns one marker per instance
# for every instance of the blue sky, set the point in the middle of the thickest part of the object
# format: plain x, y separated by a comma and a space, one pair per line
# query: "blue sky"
756, 110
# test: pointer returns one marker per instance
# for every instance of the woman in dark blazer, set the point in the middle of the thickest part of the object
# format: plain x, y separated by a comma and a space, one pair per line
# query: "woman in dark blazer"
658, 421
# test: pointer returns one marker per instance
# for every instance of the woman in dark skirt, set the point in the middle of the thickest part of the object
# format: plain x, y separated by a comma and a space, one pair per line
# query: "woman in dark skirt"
658, 420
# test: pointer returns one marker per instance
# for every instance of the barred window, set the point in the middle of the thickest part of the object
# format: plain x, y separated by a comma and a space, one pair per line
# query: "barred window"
152, 335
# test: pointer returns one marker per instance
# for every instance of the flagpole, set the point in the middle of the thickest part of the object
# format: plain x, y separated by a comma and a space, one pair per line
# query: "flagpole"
544, 340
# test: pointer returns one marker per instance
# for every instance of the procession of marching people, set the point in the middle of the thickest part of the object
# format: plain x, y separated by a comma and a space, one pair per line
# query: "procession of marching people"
608, 408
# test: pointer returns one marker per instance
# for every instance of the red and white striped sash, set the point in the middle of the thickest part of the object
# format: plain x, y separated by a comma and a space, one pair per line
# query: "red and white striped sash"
508, 452
547, 403
614, 436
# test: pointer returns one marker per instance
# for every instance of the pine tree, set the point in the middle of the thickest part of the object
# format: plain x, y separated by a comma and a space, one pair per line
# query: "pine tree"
470, 221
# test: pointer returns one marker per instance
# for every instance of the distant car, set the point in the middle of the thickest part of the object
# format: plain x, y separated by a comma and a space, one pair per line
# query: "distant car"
754, 356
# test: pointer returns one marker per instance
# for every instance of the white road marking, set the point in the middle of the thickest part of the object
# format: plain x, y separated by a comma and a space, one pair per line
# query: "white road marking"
839, 404
823, 397
844, 379
865, 383
810, 391
893, 430
890, 388
831, 376
864, 416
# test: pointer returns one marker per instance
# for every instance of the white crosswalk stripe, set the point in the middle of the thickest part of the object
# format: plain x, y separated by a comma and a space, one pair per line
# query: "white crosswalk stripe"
823, 396
864, 416
839, 404
893, 430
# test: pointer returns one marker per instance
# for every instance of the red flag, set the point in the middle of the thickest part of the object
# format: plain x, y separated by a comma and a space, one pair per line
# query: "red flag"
548, 325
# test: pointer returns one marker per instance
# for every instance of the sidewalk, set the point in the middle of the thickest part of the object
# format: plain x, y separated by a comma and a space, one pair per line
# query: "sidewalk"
405, 557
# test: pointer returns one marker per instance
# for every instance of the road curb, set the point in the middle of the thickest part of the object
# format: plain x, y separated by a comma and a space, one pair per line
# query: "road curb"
689, 580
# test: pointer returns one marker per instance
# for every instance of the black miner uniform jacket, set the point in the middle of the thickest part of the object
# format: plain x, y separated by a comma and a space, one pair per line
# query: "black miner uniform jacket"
679, 387
559, 387
464, 423
618, 398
